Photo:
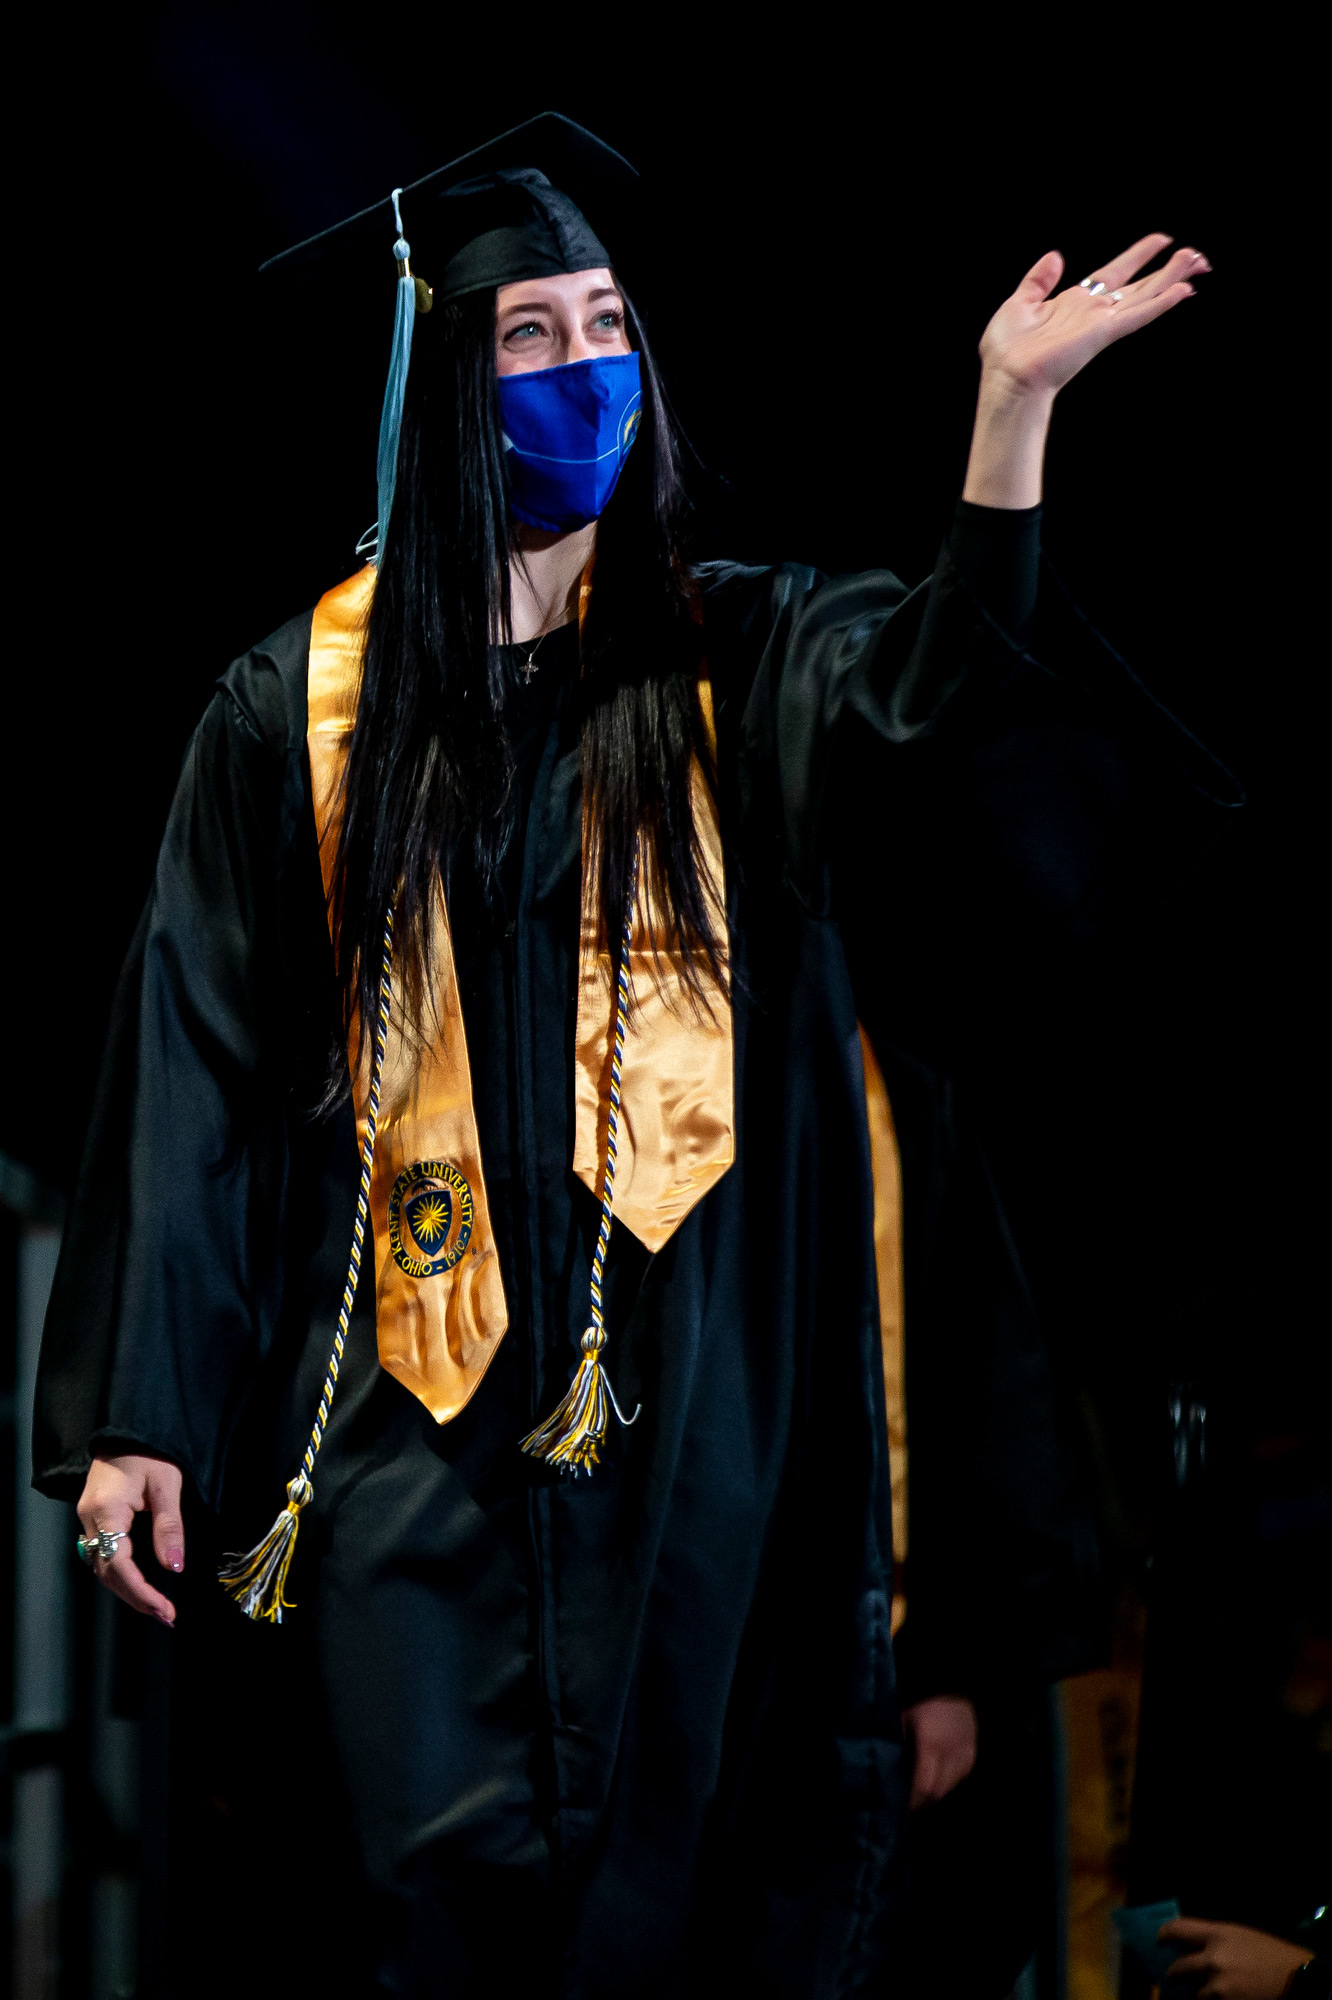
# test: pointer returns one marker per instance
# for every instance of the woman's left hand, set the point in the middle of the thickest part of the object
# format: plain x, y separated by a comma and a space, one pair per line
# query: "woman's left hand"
1040, 338
1037, 342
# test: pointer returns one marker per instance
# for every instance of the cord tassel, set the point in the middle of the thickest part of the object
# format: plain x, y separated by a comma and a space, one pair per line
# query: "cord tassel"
258, 1580
572, 1435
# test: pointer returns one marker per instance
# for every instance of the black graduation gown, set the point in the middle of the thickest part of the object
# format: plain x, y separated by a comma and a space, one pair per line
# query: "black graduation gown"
640, 1730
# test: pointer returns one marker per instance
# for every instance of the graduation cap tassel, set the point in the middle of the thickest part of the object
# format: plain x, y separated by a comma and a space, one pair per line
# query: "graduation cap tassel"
395, 389
258, 1580
573, 1434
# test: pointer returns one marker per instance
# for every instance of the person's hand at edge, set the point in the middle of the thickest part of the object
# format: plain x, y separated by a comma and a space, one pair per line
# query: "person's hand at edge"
1232, 1962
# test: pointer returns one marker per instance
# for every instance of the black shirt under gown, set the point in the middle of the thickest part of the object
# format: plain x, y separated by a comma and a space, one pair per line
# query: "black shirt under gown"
635, 1734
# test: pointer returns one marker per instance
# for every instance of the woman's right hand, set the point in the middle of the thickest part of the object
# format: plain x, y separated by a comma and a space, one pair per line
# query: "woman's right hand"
117, 1489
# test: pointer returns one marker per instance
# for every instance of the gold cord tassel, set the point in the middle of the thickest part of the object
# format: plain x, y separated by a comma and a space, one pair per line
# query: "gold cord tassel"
572, 1435
258, 1581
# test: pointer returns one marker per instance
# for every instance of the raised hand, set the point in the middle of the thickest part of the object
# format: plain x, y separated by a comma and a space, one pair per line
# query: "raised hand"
117, 1489
1037, 342
1039, 339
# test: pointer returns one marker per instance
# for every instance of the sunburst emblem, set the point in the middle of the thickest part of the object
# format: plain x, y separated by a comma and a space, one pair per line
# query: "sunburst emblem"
430, 1217
430, 1221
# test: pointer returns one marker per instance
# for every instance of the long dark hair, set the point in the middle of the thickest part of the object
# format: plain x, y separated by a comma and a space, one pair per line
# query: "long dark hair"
429, 773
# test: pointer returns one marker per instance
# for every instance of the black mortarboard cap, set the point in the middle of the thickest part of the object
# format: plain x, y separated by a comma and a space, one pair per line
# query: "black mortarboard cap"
541, 199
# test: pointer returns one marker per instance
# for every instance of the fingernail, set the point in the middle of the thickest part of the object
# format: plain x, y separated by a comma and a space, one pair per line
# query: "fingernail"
162, 1619
175, 1560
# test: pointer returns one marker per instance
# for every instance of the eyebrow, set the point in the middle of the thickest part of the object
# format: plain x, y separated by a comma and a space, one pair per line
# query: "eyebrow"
526, 306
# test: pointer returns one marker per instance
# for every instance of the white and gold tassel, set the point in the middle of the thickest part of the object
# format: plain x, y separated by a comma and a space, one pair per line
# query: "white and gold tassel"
258, 1580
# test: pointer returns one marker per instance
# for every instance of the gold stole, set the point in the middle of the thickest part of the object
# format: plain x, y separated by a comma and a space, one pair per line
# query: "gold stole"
886, 1165
440, 1310
439, 1295
677, 1114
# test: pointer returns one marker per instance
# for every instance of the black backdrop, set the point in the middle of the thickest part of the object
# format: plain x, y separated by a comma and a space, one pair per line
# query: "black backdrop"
837, 217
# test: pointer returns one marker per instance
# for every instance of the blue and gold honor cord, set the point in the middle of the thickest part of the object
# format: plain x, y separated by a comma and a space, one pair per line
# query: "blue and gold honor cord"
573, 1434
257, 1581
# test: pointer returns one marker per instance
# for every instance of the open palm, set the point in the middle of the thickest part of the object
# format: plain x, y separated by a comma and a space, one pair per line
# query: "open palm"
1038, 342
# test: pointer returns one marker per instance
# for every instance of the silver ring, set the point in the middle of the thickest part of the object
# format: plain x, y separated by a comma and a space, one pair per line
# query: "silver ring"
1116, 296
1095, 288
102, 1544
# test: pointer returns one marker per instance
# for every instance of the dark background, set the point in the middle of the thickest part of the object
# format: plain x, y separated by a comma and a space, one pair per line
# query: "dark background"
837, 217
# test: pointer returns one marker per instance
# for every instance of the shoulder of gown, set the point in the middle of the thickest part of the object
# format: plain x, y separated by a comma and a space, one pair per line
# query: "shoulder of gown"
268, 686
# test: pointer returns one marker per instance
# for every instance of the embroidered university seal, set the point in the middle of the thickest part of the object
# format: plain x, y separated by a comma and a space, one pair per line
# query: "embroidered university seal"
430, 1215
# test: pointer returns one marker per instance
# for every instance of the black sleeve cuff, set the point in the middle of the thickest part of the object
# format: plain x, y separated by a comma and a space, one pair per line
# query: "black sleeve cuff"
930, 1664
996, 552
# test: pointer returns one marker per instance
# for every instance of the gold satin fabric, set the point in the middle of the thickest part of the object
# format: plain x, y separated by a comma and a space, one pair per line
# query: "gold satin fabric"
677, 1081
886, 1164
437, 1334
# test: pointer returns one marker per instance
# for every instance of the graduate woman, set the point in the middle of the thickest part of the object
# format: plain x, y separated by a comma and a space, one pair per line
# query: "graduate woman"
482, 1154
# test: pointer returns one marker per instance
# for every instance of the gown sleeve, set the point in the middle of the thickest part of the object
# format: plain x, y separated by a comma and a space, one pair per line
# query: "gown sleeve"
1002, 1578
974, 747
167, 1286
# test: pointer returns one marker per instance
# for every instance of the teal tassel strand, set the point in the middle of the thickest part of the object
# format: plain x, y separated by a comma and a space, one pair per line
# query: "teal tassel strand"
395, 389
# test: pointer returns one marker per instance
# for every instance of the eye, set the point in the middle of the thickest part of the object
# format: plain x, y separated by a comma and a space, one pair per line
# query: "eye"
527, 330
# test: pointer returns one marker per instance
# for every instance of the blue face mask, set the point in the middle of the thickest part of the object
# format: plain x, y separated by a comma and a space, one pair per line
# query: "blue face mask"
567, 432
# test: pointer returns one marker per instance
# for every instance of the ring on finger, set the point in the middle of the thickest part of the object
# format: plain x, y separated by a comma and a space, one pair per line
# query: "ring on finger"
1093, 286
101, 1545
